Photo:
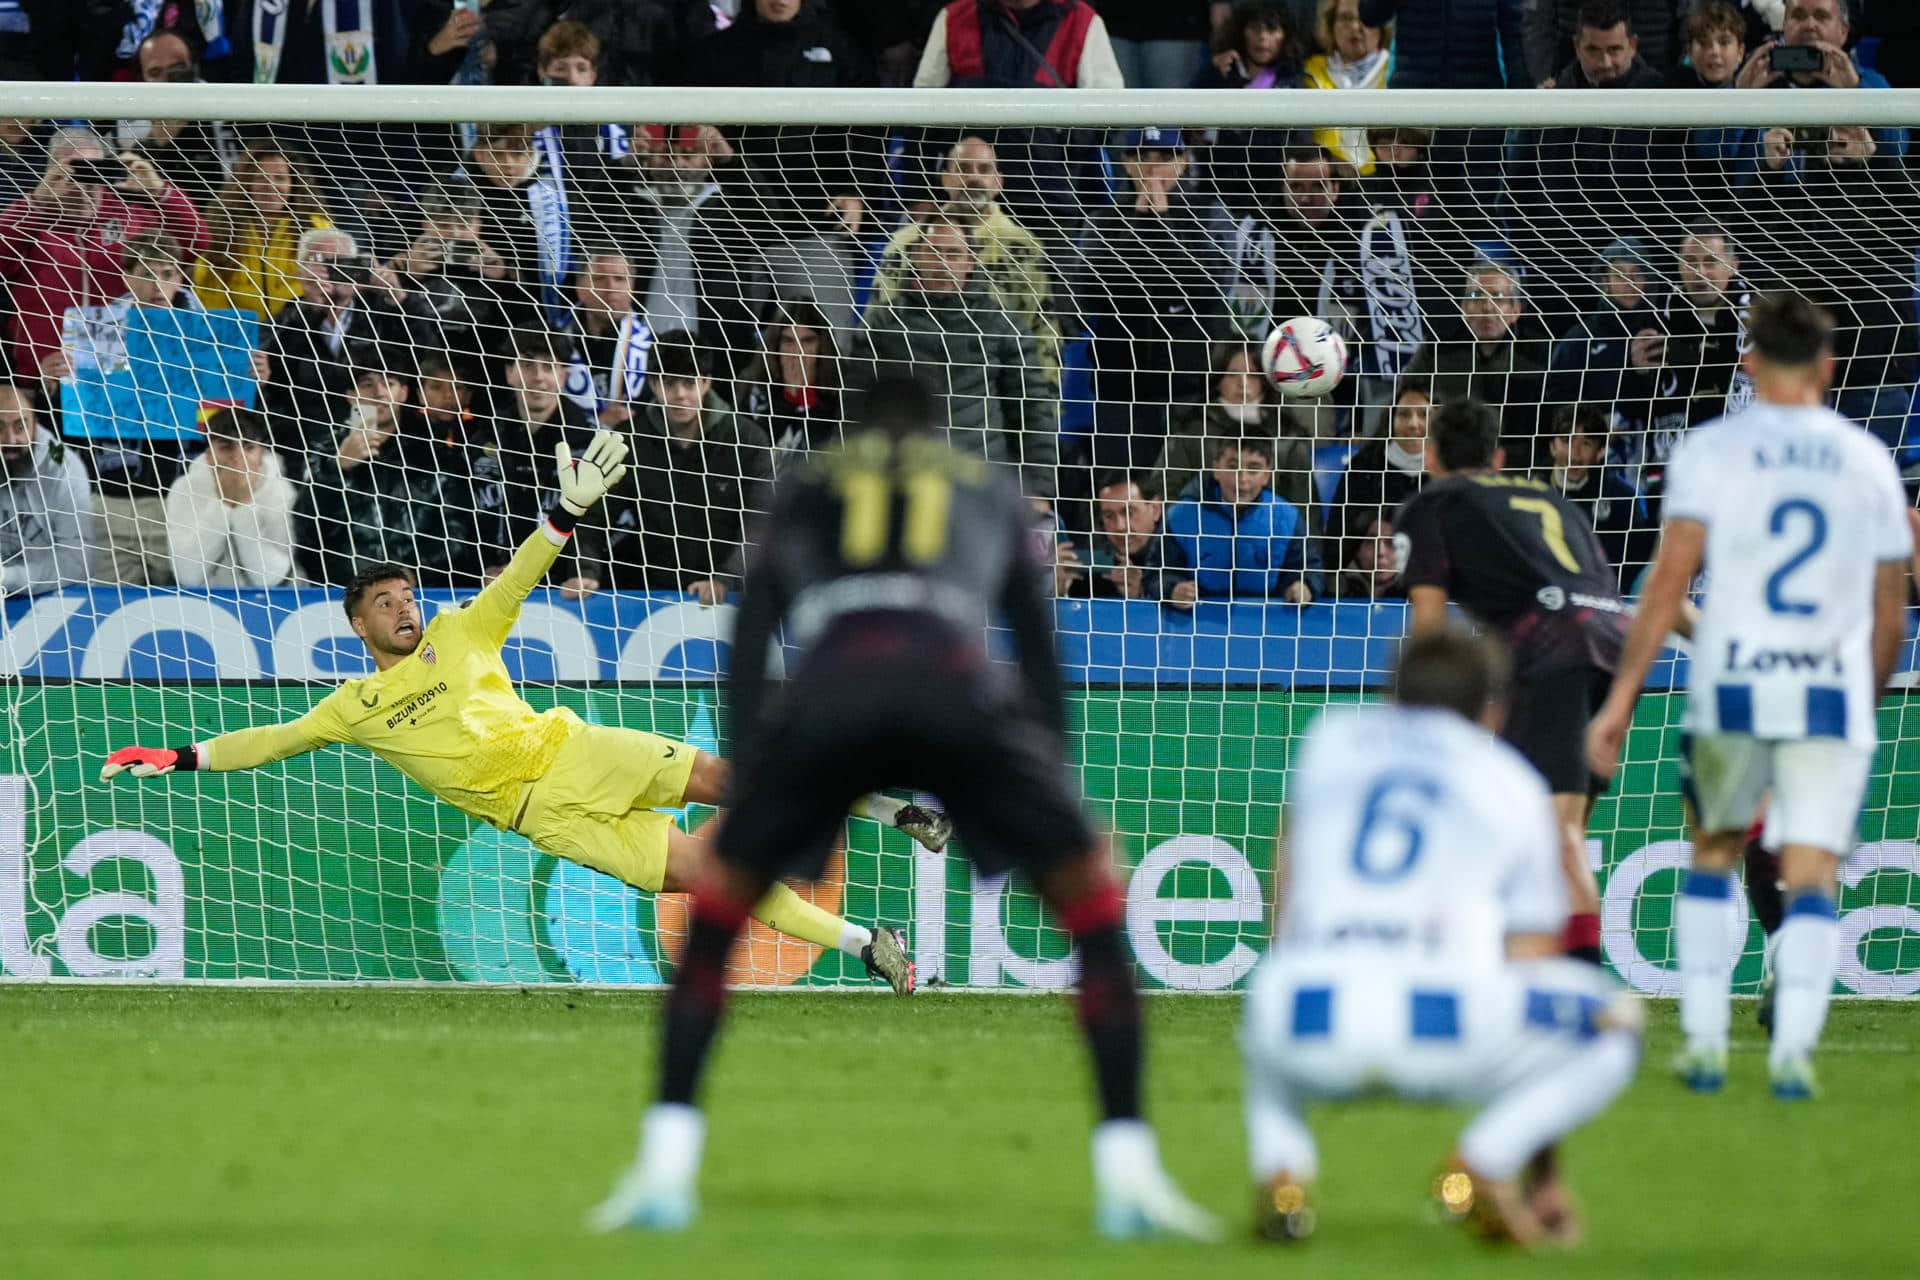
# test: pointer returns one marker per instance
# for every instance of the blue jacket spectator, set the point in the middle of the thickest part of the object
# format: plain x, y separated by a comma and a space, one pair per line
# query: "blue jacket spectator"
1243, 540
1454, 44
1826, 25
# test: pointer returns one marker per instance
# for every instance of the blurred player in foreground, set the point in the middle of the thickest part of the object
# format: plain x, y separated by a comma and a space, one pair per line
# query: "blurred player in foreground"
441, 709
1799, 518
1523, 560
883, 560
1420, 906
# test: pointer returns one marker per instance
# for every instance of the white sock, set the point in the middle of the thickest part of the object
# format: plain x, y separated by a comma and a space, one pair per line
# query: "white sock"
1122, 1150
1278, 1140
1806, 953
1703, 921
672, 1136
882, 808
1548, 1107
855, 938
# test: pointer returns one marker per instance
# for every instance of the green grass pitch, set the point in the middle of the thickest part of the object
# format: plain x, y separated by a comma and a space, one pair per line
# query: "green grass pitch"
359, 1133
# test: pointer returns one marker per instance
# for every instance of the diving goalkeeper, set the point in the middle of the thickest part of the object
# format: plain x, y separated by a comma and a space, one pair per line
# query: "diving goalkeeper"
440, 708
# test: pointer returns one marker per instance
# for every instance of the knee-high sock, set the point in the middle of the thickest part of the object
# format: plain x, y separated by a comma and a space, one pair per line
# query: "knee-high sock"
1806, 953
786, 911
1278, 1140
699, 996
1109, 1006
1703, 922
1543, 1110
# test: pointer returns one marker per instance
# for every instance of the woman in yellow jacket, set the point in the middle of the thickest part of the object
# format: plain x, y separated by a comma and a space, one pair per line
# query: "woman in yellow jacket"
254, 229
1357, 57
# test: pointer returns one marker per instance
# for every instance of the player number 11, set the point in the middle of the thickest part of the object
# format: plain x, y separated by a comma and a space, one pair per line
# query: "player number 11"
867, 480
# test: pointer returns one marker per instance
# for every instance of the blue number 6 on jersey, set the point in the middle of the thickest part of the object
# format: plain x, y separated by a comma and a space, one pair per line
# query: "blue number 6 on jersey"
1392, 825
1816, 538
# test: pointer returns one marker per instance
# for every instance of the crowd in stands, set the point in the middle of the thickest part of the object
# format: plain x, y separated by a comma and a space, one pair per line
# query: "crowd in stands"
430, 308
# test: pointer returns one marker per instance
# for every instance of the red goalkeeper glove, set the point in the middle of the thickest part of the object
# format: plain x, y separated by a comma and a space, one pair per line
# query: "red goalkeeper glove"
149, 762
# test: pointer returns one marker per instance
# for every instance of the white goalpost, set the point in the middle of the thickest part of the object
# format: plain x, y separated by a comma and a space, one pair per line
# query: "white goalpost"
262, 336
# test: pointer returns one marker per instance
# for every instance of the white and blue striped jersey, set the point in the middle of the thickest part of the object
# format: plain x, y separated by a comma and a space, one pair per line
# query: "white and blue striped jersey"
1800, 507
1417, 837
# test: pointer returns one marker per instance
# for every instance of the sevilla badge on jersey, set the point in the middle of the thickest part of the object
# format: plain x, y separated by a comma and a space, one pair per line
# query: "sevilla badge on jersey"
427, 655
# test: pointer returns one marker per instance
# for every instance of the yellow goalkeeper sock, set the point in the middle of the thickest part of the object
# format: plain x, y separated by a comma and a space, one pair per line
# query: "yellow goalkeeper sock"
789, 913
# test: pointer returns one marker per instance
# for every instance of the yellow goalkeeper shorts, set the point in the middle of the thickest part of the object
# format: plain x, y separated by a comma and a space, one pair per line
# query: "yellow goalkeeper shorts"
595, 805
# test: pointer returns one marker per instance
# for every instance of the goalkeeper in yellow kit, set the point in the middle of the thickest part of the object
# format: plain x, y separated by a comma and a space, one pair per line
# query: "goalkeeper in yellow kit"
440, 708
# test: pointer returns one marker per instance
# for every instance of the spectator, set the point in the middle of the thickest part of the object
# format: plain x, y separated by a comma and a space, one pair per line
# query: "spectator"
1016, 44
460, 275
1013, 258
1147, 283
229, 519
1159, 44
93, 340
350, 314
1357, 56
46, 509
796, 402
947, 328
577, 160
696, 473
384, 488
446, 400
194, 155
200, 27
1496, 352
524, 212
254, 227
534, 417
1259, 46
1715, 38
1370, 566
611, 343
1130, 558
1610, 356
1241, 403
1308, 245
639, 44
1553, 30
1244, 541
1454, 44
1705, 323
1577, 450
703, 274
787, 44
60, 244
1606, 47
1826, 25
320, 43
23, 156
1387, 471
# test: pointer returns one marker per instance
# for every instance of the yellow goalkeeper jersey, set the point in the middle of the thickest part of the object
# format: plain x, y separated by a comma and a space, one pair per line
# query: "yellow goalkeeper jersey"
446, 716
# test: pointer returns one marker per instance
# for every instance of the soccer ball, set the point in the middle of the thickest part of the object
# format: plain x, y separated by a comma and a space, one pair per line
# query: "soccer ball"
1305, 358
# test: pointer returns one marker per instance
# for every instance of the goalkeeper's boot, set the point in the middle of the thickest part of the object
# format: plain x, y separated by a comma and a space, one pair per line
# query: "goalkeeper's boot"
1792, 1078
1284, 1211
1134, 1198
930, 827
1702, 1067
659, 1191
886, 958
1489, 1209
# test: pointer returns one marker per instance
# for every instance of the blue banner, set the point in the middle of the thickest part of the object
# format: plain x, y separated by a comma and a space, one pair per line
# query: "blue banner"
131, 633
175, 361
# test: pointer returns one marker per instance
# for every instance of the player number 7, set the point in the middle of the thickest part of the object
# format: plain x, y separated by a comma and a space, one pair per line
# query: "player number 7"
1553, 530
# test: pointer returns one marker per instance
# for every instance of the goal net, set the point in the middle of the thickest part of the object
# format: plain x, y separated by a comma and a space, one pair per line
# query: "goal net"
252, 354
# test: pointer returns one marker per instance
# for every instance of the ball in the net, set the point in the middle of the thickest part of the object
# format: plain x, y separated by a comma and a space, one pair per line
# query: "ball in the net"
1304, 358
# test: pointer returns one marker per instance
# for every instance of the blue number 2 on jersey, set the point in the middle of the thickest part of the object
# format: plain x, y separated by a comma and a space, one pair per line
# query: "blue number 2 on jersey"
1392, 825
1816, 537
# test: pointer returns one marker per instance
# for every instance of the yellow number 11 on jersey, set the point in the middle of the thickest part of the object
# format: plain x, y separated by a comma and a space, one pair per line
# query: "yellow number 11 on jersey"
1553, 530
865, 480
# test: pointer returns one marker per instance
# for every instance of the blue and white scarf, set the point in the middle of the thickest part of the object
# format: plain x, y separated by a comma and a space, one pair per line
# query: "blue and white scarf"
1393, 308
349, 40
621, 383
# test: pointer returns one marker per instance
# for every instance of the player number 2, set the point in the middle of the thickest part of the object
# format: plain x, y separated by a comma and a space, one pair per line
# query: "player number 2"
1784, 515
1553, 530
1392, 825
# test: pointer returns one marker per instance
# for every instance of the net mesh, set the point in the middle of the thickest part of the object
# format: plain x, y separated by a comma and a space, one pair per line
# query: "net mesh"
263, 356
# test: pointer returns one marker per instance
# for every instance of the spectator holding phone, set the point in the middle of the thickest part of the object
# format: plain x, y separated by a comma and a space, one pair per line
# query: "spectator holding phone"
1811, 53
60, 245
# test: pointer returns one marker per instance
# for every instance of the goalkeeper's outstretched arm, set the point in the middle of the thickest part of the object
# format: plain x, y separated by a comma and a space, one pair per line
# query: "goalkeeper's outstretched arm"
244, 749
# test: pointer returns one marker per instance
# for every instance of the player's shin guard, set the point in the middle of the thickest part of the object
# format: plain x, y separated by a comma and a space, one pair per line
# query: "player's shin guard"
699, 996
1109, 1005
1541, 1111
1703, 942
1804, 961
